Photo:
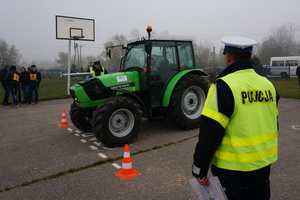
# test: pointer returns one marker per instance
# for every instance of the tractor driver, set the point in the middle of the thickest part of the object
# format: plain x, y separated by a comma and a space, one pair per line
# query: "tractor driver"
163, 63
154, 67
97, 69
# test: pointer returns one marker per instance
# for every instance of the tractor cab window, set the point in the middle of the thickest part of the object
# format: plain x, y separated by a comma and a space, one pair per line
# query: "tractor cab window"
136, 56
185, 53
164, 59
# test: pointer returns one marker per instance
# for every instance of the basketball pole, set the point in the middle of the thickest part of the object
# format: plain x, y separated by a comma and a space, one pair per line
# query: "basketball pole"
72, 28
69, 68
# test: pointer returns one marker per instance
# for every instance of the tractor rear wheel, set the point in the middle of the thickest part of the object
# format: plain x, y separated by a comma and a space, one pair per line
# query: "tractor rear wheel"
117, 121
187, 101
78, 118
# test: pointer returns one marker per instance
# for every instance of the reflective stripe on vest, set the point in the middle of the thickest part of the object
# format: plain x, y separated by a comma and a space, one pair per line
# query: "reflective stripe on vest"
250, 140
94, 75
210, 108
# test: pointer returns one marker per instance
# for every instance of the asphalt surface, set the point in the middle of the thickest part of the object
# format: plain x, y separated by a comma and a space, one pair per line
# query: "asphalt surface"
40, 160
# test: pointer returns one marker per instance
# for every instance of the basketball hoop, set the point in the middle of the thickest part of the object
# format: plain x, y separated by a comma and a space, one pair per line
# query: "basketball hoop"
77, 37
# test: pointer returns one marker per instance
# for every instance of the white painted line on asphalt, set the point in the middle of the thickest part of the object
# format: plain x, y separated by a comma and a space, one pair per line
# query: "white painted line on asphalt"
82, 140
87, 135
296, 127
70, 130
102, 155
97, 143
77, 131
116, 165
107, 148
93, 147
76, 134
93, 138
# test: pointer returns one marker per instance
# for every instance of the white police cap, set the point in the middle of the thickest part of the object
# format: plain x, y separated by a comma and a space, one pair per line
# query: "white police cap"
237, 43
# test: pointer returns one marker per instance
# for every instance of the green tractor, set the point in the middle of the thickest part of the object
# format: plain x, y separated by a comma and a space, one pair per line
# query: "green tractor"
157, 79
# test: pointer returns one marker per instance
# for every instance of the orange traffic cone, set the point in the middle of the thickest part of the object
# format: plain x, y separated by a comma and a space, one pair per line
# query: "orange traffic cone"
127, 171
64, 119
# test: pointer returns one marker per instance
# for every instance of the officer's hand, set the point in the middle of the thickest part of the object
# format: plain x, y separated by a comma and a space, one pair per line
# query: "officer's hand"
203, 181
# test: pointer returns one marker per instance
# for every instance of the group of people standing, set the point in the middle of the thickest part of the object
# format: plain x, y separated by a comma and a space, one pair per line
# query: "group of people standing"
13, 81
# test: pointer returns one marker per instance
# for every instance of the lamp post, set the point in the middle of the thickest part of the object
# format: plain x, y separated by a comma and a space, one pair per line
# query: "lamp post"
80, 56
214, 56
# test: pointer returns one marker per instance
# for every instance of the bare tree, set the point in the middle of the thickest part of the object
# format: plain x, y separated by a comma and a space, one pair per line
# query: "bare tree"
113, 63
89, 60
204, 55
221, 58
281, 42
134, 34
9, 55
62, 60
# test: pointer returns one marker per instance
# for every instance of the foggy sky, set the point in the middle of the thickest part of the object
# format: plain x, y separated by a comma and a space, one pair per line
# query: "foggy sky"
30, 24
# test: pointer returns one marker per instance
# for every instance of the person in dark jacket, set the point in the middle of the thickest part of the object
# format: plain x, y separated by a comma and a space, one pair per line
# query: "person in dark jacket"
4, 84
13, 77
298, 74
35, 80
25, 84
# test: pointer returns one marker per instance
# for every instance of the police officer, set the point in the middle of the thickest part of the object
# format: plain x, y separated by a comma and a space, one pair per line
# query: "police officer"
97, 69
238, 130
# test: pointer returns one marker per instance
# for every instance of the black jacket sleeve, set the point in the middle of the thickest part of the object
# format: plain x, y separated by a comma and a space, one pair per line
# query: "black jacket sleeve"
105, 71
209, 140
211, 132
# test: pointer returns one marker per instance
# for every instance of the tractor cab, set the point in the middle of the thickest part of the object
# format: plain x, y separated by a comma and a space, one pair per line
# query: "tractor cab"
157, 59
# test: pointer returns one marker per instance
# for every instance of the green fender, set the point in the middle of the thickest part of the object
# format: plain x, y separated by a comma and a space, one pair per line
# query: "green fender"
171, 85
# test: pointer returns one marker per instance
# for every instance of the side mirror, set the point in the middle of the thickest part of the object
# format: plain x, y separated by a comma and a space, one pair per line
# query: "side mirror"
148, 47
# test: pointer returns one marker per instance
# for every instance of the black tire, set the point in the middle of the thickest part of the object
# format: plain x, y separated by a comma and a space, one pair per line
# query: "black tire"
284, 75
78, 118
187, 101
117, 121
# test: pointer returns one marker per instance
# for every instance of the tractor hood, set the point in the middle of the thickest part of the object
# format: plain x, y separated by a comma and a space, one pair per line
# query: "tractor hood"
92, 91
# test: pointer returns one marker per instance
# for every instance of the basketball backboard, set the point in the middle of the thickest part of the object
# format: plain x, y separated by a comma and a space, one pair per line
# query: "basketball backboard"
73, 28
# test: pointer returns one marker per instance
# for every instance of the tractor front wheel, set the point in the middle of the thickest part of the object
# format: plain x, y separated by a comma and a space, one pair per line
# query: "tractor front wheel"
117, 121
79, 119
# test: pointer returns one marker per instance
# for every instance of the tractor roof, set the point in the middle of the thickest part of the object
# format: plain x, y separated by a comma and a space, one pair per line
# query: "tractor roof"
165, 37
171, 37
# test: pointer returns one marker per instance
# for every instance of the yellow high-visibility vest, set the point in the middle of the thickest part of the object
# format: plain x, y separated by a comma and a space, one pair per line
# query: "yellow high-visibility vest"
32, 77
250, 141
16, 77
94, 75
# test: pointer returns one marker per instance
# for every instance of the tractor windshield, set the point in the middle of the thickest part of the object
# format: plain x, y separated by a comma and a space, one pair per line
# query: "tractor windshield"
135, 56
